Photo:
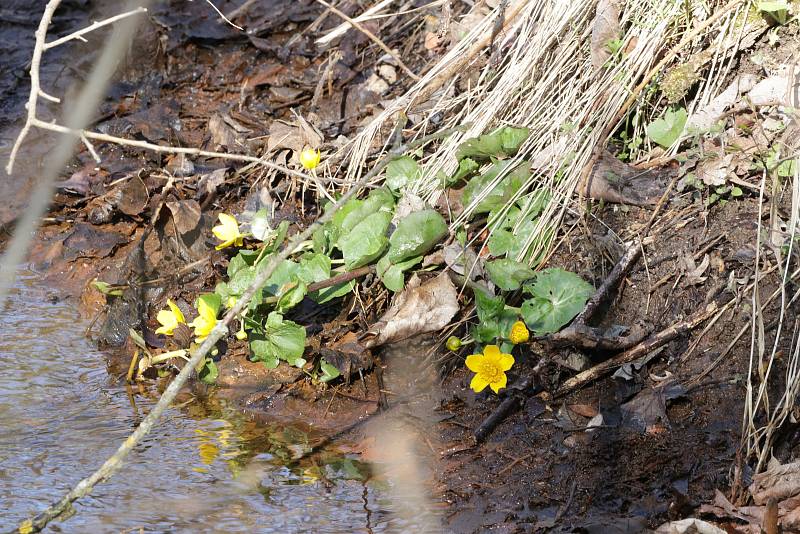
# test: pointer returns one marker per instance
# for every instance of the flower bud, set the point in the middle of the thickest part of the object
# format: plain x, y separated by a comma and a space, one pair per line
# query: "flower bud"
309, 158
519, 333
453, 343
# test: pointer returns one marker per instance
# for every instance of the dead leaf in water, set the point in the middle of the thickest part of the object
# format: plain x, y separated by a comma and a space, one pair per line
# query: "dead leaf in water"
420, 308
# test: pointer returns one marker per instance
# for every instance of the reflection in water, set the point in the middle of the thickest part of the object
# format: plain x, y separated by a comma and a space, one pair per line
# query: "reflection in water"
202, 469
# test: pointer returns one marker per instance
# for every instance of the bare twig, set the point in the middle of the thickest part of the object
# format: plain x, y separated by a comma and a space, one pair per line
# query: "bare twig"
76, 116
222, 16
651, 343
373, 37
341, 29
166, 149
94, 26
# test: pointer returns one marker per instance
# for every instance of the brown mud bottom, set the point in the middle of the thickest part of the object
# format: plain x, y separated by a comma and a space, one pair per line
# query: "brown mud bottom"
623, 454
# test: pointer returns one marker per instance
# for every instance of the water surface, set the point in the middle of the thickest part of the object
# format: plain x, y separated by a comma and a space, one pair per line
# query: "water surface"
204, 467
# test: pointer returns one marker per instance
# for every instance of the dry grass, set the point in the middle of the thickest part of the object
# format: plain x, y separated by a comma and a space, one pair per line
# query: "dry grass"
546, 82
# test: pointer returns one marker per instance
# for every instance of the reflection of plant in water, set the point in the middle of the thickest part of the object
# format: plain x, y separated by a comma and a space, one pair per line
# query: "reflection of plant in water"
239, 442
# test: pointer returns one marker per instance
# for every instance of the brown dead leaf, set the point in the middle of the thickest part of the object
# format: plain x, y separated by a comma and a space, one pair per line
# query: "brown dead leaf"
693, 273
134, 197
186, 214
777, 482
705, 118
779, 90
615, 181
223, 135
584, 410
179, 165
714, 171
347, 355
269, 74
208, 183
284, 94
605, 28
295, 136
420, 308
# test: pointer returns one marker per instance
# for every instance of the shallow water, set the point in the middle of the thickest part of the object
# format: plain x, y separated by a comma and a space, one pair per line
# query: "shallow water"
204, 468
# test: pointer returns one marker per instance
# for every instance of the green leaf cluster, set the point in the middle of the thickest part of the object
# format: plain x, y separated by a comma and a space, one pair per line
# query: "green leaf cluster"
277, 339
557, 296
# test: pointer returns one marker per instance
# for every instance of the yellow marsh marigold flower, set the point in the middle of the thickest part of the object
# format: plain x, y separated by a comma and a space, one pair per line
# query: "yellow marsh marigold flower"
169, 319
489, 368
309, 158
206, 320
228, 232
519, 333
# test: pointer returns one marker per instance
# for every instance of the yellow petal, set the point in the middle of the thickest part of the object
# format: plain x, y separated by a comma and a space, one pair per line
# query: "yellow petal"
167, 331
168, 322
491, 351
473, 362
227, 231
225, 244
506, 362
179, 318
499, 384
478, 384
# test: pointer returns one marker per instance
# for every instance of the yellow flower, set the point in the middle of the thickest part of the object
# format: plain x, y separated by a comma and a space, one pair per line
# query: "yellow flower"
228, 232
204, 323
169, 319
489, 368
519, 333
309, 158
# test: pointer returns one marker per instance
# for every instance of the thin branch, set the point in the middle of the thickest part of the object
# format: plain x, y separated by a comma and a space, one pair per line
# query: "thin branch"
113, 464
341, 29
223, 16
373, 37
649, 344
93, 27
90, 147
36, 59
166, 149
